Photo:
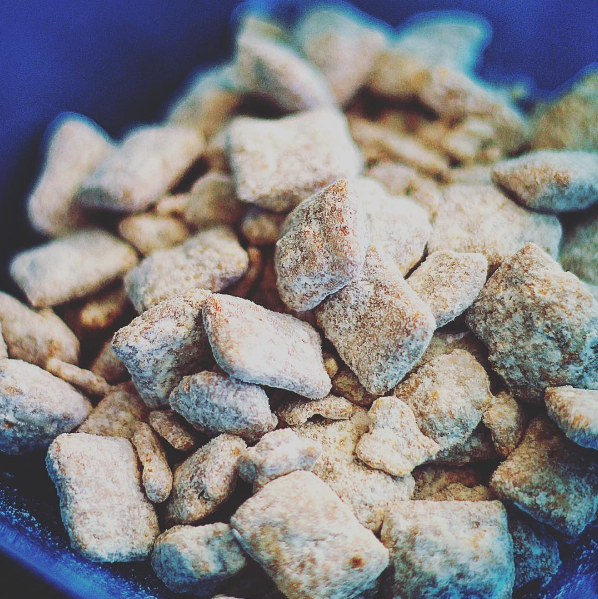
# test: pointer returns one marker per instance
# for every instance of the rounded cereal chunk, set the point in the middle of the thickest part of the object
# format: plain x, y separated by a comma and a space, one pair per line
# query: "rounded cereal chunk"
156, 476
85, 380
261, 227
214, 403
258, 346
149, 232
212, 259
149, 162
506, 421
103, 508
278, 163
173, 429
109, 366
448, 396
516, 315
449, 282
551, 181
297, 411
35, 407
75, 148
576, 413
378, 325
164, 344
198, 559
394, 442
71, 267
322, 247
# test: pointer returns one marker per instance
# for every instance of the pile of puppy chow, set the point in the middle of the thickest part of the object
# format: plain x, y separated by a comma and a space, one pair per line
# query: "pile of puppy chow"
342, 349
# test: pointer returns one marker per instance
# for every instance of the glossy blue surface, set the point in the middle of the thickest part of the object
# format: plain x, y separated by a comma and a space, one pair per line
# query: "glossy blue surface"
118, 63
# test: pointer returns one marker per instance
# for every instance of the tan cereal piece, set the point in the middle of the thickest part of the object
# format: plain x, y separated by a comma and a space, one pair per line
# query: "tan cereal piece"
258, 346
474, 174
71, 267
298, 411
432, 479
156, 476
394, 442
3, 348
579, 252
551, 181
117, 414
464, 546
551, 478
35, 336
571, 121
461, 492
448, 396
274, 70
449, 282
76, 146
379, 143
173, 429
215, 154
467, 141
205, 480
198, 559
172, 205
478, 447
212, 201
109, 366
323, 246
399, 228
149, 232
261, 227
535, 550
212, 259
516, 314
306, 520
342, 46
244, 286
164, 344
378, 325
208, 102
149, 162
35, 407
90, 383
576, 413
276, 454
346, 384
278, 163
331, 363
506, 421
103, 507
445, 342
479, 218
215, 403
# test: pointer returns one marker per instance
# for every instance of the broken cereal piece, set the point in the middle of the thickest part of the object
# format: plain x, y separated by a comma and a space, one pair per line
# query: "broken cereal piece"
258, 346
298, 411
149, 162
378, 325
71, 267
205, 480
214, 403
35, 336
211, 259
109, 366
463, 546
304, 519
76, 146
448, 396
156, 477
85, 380
35, 407
478, 447
104, 510
449, 282
322, 247
277, 164
261, 227
149, 232
277, 454
551, 478
506, 421
117, 414
576, 413
346, 384
394, 443
164, 344
479, 218
198, 559
173, 429
551, 181
522, 304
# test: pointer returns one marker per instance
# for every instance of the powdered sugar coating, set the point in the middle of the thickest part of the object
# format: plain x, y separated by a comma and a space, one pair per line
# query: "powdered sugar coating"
297, 411
149, 232
507, 422
259, 346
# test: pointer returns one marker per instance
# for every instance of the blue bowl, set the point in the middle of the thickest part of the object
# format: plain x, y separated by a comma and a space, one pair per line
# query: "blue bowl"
119, 63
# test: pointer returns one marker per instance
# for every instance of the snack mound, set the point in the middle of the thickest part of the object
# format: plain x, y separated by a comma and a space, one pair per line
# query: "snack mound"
345, 361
